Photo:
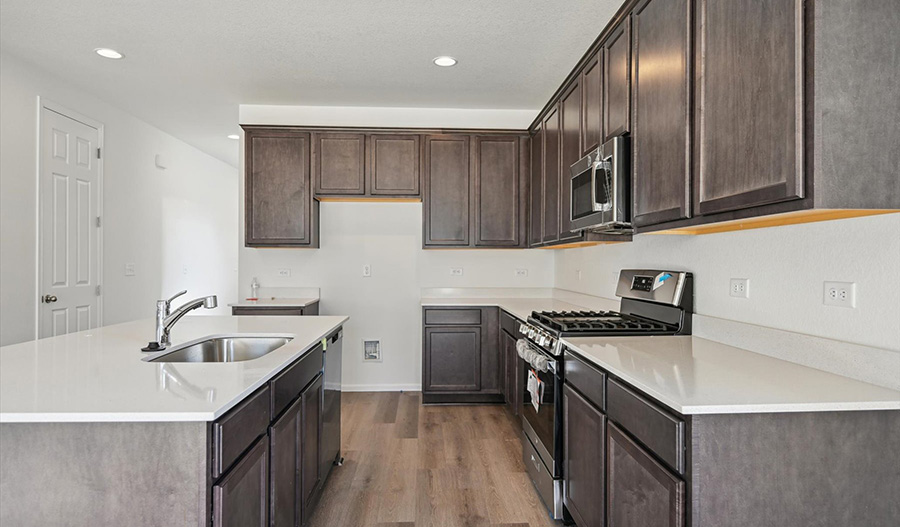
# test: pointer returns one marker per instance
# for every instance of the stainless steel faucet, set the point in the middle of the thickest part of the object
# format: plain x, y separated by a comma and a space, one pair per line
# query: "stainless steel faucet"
166, 318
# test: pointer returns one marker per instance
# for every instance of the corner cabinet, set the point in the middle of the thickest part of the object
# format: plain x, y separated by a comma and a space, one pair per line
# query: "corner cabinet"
475, 190
461, 359
279, 207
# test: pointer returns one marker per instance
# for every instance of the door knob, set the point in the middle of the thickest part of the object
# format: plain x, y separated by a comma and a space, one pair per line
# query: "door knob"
48, 299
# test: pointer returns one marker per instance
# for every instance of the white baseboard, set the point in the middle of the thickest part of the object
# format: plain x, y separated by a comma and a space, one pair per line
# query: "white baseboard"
381, 388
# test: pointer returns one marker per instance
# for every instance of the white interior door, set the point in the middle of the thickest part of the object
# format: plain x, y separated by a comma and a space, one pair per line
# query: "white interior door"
69, 228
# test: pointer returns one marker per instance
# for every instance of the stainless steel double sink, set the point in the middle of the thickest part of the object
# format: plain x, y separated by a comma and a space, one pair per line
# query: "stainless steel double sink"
222, 348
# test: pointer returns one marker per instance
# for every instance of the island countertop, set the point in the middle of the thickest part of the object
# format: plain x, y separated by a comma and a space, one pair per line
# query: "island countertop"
98, 375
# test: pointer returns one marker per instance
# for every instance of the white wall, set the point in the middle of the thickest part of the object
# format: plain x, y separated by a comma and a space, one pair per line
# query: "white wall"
786, 267
385, 306
162, 220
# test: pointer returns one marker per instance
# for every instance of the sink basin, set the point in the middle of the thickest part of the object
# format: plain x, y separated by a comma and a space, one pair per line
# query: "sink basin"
226, 348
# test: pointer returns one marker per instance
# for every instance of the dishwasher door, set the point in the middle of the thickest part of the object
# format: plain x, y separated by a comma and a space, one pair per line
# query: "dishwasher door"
330, 449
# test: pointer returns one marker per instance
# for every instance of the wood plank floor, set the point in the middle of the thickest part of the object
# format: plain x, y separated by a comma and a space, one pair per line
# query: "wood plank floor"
411, 465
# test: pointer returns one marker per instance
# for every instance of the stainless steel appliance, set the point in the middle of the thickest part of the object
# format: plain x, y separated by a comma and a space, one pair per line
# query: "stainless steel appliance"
330, 451
601, 197
653, 303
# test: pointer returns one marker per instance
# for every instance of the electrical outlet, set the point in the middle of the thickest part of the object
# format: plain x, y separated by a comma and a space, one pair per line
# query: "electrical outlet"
521, 273
367, 270
284, 273
129, 269
841, 294
184, 269
456, 271
740, 288
578, 274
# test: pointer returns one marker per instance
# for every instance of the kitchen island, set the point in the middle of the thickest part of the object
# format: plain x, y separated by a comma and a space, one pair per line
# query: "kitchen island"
92, 434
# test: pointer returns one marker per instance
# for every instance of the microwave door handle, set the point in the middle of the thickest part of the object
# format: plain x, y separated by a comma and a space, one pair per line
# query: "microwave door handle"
595, 207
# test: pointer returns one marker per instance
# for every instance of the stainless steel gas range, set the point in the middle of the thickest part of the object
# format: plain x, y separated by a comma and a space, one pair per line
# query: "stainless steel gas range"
652, 302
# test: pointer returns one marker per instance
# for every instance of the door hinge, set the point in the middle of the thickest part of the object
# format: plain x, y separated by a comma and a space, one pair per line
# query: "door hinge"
98, 153
98, 290
98, 221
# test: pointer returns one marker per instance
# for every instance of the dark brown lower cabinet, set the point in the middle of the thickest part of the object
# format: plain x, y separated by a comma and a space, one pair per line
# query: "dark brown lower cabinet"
453, 360
584, 438
284, 447
513, 368
310, 440
642, 492
241, 498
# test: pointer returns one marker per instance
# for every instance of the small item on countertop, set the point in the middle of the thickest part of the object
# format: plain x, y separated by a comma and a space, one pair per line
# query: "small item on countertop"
254, 289
536, 389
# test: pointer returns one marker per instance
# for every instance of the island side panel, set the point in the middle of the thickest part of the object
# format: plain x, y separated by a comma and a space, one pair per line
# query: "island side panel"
103, 474
789, 469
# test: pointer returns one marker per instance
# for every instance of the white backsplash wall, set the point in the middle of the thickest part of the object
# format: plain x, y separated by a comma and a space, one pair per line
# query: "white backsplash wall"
385, 306
786, 267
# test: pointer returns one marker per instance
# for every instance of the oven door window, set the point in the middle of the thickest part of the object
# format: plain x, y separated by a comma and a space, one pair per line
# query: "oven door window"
542, 420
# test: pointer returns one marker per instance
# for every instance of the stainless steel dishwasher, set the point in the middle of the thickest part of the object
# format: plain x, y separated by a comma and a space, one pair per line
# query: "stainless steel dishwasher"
330, 450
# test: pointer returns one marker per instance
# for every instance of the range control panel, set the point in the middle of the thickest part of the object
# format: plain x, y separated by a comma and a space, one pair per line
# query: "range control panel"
660, 286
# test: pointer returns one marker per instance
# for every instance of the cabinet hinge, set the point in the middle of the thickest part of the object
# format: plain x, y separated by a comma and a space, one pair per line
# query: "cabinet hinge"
98, 221
98, 290
98, 153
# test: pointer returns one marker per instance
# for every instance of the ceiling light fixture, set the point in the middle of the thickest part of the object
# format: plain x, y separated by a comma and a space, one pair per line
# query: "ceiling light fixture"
234, 136
108, 53
444, 61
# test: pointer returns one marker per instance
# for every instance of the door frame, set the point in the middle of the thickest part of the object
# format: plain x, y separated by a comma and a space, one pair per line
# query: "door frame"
47, 104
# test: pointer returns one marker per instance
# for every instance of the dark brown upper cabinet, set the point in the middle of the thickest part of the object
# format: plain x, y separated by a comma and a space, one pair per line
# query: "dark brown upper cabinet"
536, 210
592, 104
279, 207
340, 163
552, 133
570, 105
661, 97
395, 164
616, 81
749, 100
446, 200
499, 191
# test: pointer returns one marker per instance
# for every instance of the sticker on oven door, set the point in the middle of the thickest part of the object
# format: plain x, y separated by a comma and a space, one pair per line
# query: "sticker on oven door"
535, 389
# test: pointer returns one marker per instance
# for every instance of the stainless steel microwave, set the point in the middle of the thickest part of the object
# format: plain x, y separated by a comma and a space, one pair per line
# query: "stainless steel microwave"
601, 189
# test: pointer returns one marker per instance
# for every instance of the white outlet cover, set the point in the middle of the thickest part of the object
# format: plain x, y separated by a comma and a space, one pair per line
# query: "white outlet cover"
285, 273
522, 272
129, 269
456, 271
840, 294
367, 270
739, 288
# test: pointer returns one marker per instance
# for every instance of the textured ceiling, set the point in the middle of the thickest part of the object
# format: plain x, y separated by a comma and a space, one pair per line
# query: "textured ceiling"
189, 64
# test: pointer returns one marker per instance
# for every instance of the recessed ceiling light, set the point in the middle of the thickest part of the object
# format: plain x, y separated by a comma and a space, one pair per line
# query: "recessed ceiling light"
234, 136
445, 61
108, 53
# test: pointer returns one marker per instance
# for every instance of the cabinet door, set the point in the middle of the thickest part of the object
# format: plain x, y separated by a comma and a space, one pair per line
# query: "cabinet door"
446, 201
661, 131
749, 98
536, 209
311, 401
641, 491
592, 102
498, 196
584, 437
278, 194
551, 128
617, 81
284, 448
394, 165
340, 163
512, 372
570, 105
241, 498
452, 359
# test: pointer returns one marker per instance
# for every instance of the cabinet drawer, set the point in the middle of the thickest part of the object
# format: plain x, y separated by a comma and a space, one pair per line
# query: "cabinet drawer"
510, 324
267, 311
236, 430
453, 317
656, 428
287, 385
589, 381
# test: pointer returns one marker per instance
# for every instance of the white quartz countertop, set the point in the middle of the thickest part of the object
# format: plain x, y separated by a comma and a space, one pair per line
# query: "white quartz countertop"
275, 302
520, 308
98, 375
692, 375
